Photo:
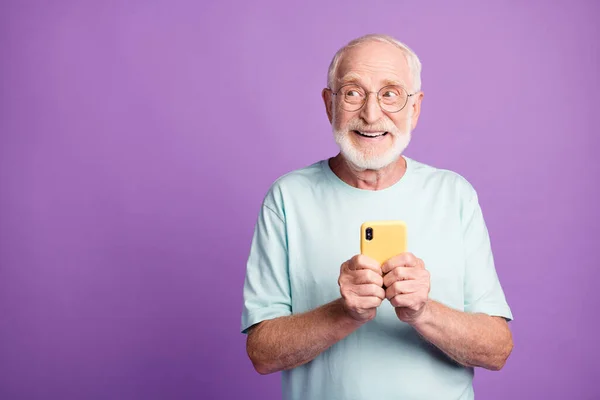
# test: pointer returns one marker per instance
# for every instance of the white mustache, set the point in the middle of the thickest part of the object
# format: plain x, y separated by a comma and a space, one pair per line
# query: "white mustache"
380, 127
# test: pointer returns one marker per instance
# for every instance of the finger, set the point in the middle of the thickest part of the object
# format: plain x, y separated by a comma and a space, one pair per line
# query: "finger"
369, 290
402, 287
369, 302
400, 274
361, 261
411, 301
401, 260
365, 276
420, 264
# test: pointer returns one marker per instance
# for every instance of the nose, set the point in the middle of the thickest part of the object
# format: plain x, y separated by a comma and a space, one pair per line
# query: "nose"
371, 112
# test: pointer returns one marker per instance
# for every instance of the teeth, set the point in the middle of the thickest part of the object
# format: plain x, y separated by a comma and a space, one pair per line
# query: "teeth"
371, 134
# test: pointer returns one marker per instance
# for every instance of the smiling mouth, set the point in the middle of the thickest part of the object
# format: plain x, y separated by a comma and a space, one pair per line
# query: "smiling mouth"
370, 135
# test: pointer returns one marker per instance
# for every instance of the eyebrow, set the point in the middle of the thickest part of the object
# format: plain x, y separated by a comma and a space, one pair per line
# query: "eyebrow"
350, 77
353, 77
394, 82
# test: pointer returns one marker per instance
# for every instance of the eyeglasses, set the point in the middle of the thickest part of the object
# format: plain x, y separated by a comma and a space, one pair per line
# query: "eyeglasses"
392, 98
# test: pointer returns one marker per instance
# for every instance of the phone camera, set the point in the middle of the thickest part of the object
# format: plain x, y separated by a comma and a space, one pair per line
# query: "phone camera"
369, 233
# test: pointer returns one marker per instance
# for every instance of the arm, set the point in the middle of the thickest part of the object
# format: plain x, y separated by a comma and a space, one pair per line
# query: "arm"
287, 342
473, 340
290, 341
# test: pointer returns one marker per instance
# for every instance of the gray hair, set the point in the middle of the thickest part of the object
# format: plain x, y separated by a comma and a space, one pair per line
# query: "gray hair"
414, 64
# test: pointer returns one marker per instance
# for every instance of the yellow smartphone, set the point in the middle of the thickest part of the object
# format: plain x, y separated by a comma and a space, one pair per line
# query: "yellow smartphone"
382, 240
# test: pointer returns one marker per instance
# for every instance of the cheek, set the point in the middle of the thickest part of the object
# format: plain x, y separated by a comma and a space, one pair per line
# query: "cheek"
340, 119
401, 120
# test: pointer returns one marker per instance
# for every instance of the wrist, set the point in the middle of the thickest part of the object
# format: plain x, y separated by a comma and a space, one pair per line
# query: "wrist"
345, 317
425, 317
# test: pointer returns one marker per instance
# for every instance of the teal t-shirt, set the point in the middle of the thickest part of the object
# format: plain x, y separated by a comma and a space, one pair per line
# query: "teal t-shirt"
309, 224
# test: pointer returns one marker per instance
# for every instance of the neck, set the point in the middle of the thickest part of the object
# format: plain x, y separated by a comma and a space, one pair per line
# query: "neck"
368, 179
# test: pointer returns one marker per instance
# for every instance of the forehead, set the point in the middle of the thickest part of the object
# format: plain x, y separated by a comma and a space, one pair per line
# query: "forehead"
373, 64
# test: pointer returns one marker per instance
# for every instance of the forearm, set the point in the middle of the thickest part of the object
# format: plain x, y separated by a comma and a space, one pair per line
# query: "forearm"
473, 340
287, 342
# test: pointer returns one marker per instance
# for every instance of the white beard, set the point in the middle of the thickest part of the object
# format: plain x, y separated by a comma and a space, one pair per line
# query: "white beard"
364, 157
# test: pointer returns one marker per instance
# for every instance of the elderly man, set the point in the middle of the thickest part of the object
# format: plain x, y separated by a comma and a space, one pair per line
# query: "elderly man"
340, 325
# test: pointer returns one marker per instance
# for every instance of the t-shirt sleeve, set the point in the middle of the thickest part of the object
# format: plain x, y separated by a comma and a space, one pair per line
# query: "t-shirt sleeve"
483, 292
267, 286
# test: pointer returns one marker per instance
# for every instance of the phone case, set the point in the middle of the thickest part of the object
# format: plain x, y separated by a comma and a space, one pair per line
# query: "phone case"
387, 239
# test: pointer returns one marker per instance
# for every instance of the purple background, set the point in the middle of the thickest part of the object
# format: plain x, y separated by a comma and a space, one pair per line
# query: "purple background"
138, 139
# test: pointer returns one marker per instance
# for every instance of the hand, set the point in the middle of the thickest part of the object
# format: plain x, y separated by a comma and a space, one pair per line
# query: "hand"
361, 284
407, 284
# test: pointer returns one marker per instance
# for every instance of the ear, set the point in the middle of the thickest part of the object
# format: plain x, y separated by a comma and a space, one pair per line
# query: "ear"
416, 105
328, 99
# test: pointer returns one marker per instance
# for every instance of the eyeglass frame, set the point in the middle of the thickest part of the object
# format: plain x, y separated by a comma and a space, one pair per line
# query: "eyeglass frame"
367, 93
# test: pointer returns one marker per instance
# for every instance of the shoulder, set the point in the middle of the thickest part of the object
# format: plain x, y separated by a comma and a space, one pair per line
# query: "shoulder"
299, 182
445, 180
